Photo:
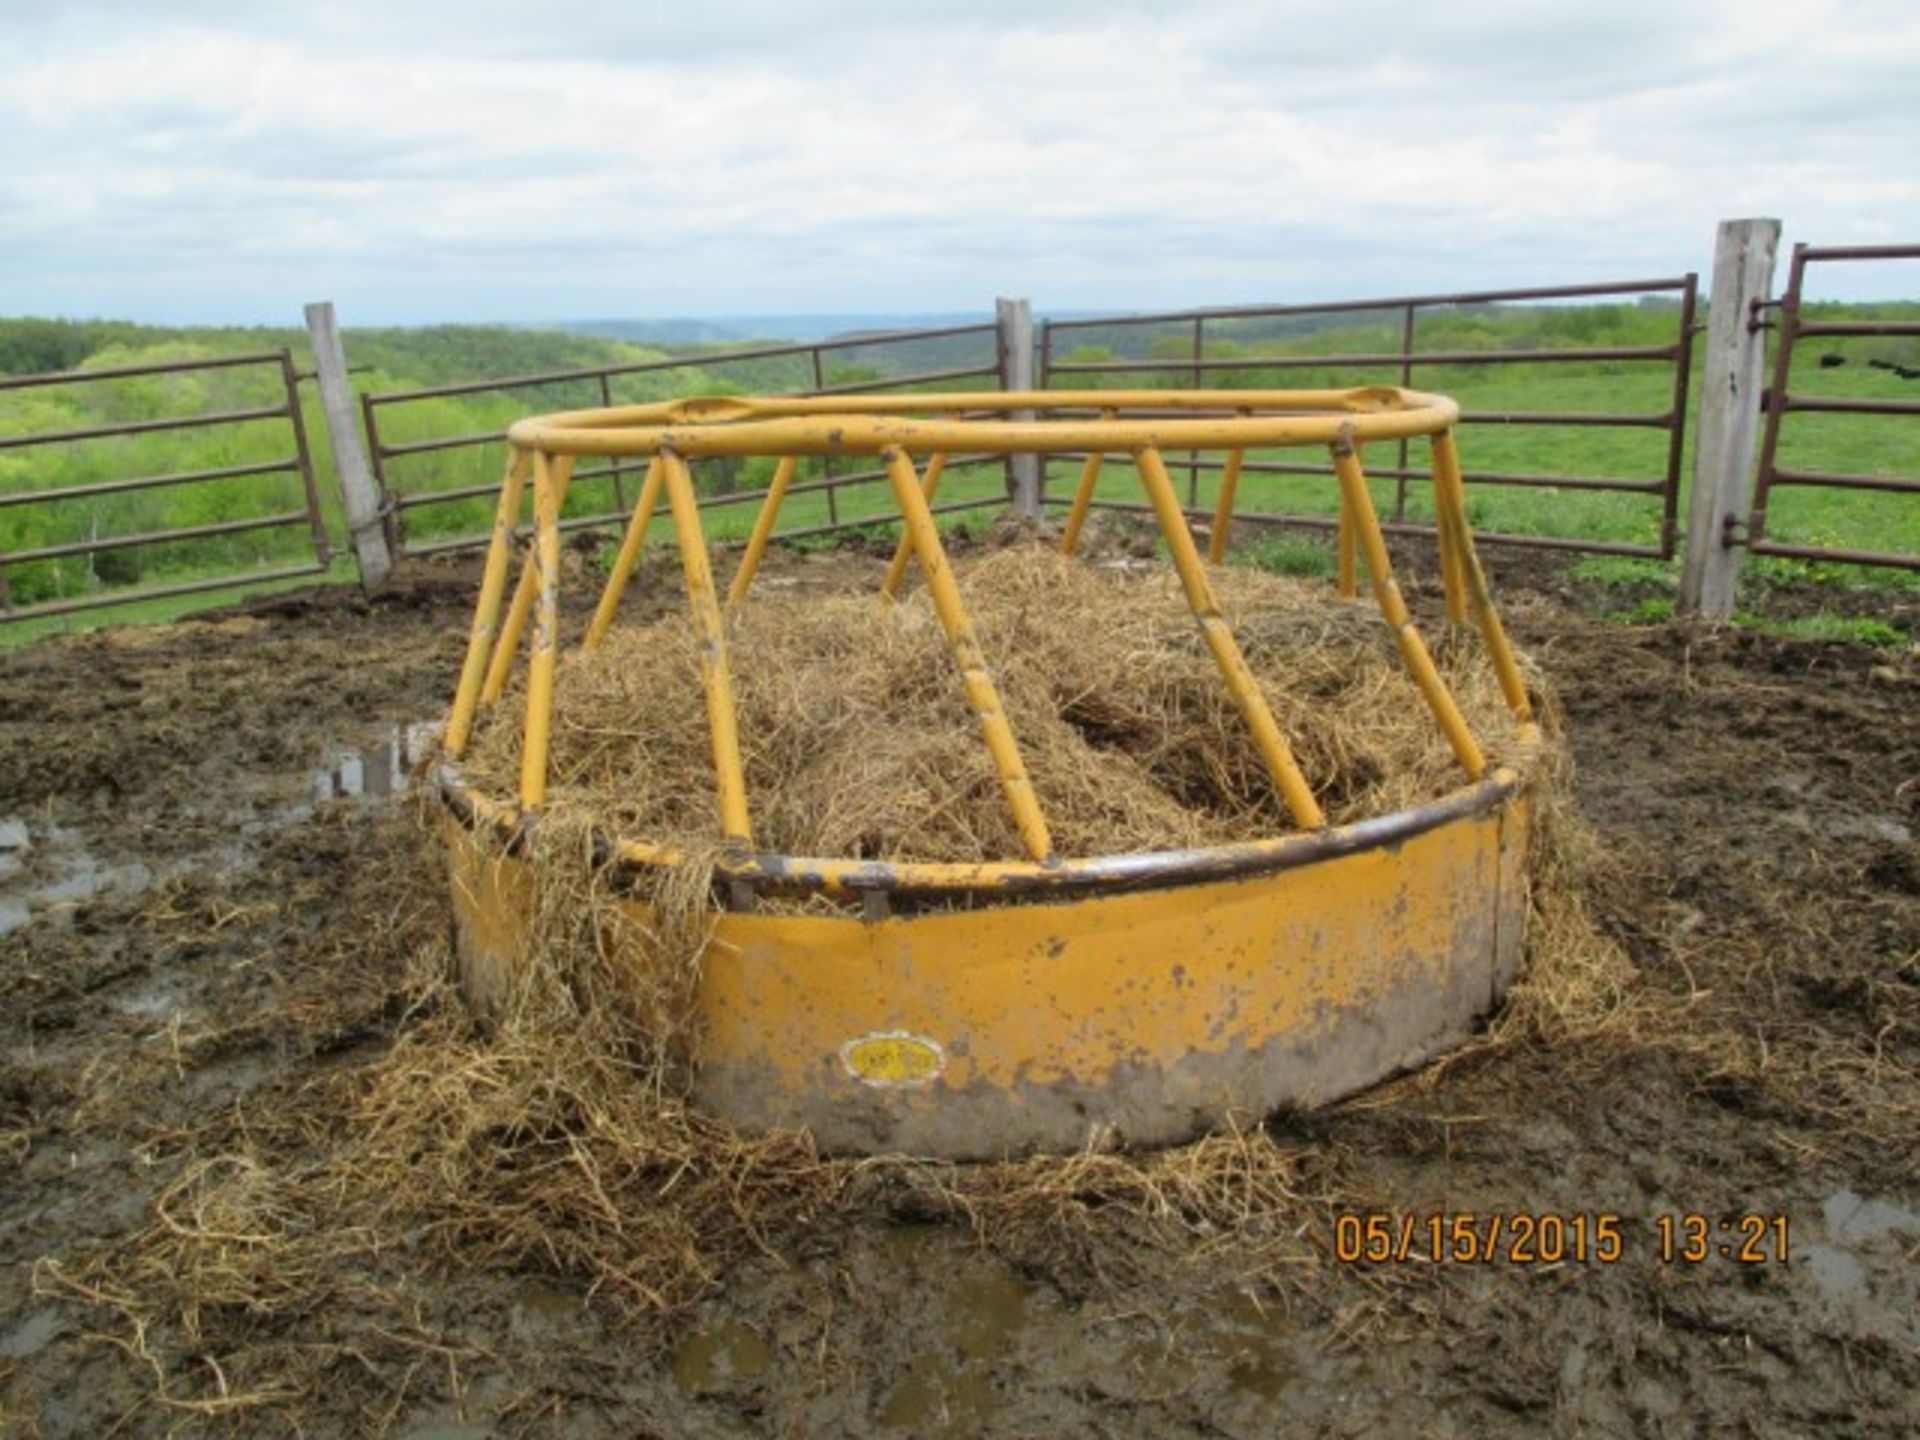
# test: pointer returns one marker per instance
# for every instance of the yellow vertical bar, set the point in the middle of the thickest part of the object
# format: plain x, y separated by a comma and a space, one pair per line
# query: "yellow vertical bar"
722, 718
1223, 507
1452, 568
630, 546
897, 568
762, 529
1214, 629
981, 692
1413, 650
493, 584
546, 625
1450, 488
507, 648
1345, 578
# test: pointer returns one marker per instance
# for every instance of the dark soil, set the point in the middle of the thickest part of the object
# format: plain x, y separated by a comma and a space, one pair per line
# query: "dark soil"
196, 866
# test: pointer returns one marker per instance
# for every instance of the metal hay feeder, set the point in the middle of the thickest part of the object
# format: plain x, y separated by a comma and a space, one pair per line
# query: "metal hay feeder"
1043, 997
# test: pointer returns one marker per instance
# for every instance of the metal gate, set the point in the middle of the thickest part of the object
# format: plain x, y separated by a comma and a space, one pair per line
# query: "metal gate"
1188, 354
1783, 400
90, 516
439, 486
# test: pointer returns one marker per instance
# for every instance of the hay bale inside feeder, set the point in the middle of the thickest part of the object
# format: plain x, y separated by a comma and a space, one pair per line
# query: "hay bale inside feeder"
1230, 842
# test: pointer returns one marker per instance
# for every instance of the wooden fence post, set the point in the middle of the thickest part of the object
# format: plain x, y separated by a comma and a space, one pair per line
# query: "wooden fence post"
1015, 318
1732, 374
358, 491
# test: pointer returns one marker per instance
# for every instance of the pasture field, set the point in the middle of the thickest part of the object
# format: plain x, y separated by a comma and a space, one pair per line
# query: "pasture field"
389, 360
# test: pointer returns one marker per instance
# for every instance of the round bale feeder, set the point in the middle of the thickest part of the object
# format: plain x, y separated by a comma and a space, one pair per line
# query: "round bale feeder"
1033, 1001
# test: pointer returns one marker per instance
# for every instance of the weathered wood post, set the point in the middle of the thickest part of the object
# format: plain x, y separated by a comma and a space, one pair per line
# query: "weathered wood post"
358, 491
1732, 374
1015, 318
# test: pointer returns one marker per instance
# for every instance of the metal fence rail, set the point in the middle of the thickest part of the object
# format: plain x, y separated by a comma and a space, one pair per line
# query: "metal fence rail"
298, 462
1782, 401
405, 500
1196, 365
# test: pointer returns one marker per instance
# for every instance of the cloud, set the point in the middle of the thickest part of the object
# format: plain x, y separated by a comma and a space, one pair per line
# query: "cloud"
492, 160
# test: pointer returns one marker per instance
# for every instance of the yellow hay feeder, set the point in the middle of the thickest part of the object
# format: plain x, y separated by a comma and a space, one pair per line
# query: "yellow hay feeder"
973, 1010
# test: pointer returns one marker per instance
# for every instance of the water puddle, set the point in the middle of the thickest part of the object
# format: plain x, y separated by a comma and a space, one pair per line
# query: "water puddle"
48, 870
1853, 1220
717, 1359
980, 1325
382, 769
31, 1335
1862, 1270
551, 1316
158, 998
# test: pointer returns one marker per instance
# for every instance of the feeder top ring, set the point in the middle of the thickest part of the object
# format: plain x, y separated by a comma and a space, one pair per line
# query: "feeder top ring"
995, 422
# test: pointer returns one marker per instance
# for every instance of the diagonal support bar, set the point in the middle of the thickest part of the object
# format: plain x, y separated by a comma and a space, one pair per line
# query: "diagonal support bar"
1358, 503
1245, 690
1223, 505
1083, 495
981, 692
762, 529
486, 613
1450, 493
1346, 580
544, 566
1082, 502
1452, 565
722, 717
897, 568
506, 650
629, 556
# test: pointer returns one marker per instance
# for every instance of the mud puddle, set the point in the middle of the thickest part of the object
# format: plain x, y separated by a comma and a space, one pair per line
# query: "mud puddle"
48, 869
1863, 1272
382, 767
994, 1347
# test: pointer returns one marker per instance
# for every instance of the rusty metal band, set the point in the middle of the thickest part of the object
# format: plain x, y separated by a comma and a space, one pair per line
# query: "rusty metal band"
791, 875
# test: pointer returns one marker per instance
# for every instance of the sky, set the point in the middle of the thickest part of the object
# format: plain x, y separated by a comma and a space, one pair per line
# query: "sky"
191, 161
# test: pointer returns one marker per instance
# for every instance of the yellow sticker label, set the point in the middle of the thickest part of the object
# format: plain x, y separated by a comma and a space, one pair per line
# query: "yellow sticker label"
893, 1057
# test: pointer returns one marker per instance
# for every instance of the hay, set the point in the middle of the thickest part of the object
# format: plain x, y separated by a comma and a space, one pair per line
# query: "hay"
858, 741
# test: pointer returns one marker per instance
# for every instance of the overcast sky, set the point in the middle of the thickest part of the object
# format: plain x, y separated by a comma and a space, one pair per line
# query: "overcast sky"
186, 160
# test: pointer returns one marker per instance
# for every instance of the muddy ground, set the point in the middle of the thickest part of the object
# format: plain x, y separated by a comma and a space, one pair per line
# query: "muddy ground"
196, 836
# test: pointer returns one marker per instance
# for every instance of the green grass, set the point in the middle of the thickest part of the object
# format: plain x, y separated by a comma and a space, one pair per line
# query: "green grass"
1653, 610
1855, 629
1283, 554
1624, 571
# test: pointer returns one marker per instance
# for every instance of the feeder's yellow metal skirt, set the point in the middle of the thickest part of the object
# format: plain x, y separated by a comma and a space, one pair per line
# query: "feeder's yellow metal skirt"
987, 1031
